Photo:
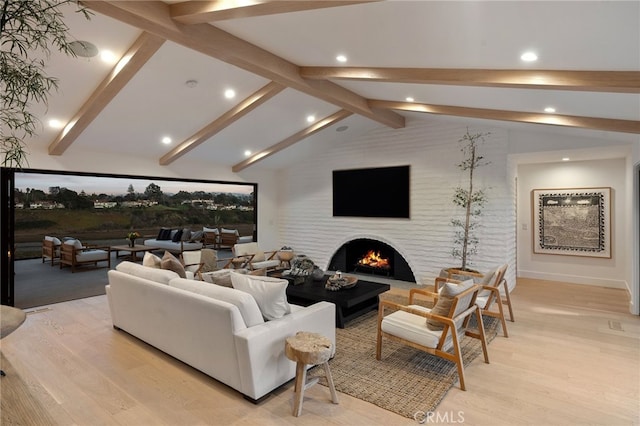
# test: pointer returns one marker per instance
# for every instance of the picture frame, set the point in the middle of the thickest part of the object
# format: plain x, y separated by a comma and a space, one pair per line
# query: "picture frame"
572, 221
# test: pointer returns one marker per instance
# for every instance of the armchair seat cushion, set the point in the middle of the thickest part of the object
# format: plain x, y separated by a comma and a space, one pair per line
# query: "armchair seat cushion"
411, 327
91, 255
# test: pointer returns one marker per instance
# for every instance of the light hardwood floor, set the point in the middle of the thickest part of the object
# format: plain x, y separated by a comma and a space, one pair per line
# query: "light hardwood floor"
572, 358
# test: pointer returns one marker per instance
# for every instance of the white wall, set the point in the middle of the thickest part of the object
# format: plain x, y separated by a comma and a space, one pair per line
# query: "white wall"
101, 162
425, 240
614, 272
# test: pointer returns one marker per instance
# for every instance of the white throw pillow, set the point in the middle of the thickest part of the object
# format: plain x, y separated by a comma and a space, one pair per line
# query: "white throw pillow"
269, 293
151, 260
213, 230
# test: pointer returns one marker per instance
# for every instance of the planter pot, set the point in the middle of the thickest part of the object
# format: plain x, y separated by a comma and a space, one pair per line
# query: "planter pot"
459, 274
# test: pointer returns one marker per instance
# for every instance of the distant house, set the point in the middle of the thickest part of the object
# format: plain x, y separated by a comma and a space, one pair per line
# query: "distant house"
104, 204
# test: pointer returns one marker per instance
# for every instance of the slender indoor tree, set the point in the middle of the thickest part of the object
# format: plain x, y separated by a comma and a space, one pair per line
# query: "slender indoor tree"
469, 198
29, 31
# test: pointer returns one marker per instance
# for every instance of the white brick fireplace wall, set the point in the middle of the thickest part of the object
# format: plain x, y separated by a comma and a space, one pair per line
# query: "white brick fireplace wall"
425, 240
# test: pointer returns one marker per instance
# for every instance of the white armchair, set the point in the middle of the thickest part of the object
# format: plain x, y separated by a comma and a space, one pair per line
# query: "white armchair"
436, 331
250, 256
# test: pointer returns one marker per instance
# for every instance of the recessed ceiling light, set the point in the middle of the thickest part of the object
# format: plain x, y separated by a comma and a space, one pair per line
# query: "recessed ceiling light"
191, 83
229, 93
529, 57
166, 140
341, 58
409, 99
311, 118
342, 128
56, 124
566, 158
247, 153
108, 57
550, 110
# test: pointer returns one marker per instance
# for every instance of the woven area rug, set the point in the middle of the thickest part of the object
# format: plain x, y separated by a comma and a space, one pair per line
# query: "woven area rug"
405, 380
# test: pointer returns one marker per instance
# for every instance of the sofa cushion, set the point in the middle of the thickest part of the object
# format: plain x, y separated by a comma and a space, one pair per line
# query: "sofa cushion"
161, 276
171, 263
445, 300
269, 293
245, 303
92, 255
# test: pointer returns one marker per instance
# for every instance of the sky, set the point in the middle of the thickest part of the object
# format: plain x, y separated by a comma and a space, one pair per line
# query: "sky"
118, 186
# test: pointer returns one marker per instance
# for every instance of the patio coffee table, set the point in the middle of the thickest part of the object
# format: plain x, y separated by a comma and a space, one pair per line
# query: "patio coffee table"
133, 257
350, 303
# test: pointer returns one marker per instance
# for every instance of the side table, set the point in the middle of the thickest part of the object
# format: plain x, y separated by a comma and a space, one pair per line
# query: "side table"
304, 349
10, 319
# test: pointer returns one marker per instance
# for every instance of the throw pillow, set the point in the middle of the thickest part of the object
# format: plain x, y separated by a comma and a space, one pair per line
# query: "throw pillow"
186, 234
214, 230
446, 295
270, 293
177, 235
171, 263
196, 237
221, 277
151, 260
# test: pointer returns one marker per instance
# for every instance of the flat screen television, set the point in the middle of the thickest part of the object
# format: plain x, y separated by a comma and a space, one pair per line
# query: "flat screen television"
372, 192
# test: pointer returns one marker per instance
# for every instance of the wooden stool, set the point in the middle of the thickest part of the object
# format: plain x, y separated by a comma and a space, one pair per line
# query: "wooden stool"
307, 348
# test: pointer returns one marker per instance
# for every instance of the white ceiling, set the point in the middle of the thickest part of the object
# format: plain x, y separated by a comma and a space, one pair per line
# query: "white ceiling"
572, 35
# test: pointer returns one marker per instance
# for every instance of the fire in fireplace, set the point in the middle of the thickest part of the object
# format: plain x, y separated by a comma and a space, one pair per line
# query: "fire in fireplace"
373, 259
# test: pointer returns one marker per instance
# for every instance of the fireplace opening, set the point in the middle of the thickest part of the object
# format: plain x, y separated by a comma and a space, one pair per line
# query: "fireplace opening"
371, 257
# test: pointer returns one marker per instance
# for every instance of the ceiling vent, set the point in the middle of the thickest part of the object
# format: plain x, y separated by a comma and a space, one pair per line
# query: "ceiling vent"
83, 49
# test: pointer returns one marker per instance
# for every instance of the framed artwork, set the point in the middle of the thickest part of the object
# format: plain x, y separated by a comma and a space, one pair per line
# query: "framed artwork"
572, 221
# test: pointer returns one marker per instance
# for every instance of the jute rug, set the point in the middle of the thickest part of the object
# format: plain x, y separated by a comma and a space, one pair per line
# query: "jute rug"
405, 380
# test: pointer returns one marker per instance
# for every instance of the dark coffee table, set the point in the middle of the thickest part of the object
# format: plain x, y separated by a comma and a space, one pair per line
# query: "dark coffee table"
350, 303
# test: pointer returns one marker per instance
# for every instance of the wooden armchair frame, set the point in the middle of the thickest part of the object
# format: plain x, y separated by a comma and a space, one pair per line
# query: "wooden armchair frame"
448, 323
50, 250
493, 297
505, 299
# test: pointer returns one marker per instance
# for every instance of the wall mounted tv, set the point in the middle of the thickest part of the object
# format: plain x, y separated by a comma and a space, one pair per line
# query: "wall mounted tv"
372, 192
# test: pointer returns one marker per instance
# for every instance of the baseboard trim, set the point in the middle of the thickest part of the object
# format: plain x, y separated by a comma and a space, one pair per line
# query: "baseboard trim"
575, 279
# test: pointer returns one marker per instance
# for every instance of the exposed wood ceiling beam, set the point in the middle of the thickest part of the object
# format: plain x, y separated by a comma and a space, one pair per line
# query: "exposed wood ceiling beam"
607, 124
226, 119
199, 12
130, 63
592, 81
154, 16
316, 127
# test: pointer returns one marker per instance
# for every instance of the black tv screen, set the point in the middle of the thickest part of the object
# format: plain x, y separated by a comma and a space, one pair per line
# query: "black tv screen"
372, 192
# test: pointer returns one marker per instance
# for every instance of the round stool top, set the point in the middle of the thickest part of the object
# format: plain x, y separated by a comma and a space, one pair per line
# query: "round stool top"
10, 319
308, 348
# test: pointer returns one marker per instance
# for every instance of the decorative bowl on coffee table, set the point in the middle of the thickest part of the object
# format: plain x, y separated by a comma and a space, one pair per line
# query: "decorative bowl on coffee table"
342, 282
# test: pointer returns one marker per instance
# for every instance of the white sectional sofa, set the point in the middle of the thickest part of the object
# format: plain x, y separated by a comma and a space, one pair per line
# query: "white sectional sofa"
217, 330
